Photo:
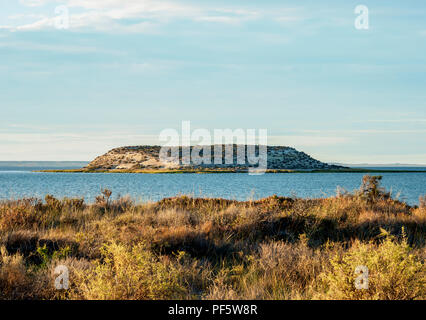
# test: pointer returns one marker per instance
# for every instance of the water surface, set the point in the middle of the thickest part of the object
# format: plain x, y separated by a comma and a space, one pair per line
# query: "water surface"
20, 183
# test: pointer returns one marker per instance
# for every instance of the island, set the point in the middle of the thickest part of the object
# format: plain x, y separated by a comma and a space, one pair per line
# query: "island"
146, 159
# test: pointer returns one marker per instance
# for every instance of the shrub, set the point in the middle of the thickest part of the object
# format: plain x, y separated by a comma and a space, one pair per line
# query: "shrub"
53, 204
422, 202
129, 273
103, 201
46, 257
122, 204
371, 190
73, 204
14, 282
394, 272
278, 270
18, 214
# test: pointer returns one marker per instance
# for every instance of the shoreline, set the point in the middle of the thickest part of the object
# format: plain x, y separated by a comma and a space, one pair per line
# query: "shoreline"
207, 171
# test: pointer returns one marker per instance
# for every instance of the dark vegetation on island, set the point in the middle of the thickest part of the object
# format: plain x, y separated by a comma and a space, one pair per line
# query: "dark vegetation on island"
196, 248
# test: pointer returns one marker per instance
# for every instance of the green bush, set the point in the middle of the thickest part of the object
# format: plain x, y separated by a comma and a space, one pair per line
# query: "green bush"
129, 273
394, 272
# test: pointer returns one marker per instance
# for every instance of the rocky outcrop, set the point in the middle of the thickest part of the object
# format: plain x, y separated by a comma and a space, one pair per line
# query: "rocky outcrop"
148, 157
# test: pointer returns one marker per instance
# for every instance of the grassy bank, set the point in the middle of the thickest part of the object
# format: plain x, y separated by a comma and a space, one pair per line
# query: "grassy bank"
192, 248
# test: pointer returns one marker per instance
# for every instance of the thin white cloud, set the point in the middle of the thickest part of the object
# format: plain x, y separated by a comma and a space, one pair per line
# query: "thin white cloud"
65, 146
415, 159
398, 120
229, 16
367, 131
221, 19
107, 14
34, 3
21, 45
26, 16
39, 24
38, 144
116, 14
306, 141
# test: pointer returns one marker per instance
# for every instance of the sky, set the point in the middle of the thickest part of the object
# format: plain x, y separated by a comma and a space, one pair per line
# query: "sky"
124, 70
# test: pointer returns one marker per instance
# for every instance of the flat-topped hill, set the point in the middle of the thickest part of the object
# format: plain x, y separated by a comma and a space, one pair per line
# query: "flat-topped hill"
148, 158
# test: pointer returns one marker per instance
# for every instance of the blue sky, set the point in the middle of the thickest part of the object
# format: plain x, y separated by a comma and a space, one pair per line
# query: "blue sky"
125, 70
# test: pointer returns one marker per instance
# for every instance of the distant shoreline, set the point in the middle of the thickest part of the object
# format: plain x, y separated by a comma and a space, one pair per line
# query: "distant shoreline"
206, 171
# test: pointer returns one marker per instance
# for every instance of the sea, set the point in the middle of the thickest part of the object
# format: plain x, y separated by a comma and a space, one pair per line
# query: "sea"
19, 180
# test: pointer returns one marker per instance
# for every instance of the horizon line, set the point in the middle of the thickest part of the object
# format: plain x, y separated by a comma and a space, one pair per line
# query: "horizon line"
333, 163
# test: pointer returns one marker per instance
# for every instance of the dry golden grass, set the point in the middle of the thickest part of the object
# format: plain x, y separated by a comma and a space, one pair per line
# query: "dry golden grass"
192, 248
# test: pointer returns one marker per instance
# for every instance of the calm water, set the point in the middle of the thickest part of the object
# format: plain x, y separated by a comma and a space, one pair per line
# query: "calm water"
19, 182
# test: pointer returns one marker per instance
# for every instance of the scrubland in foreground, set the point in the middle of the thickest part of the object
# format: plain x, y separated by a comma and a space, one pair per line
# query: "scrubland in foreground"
188, 248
